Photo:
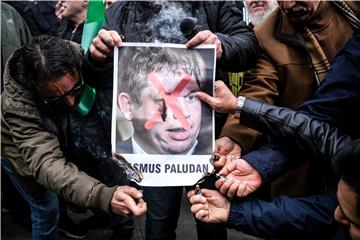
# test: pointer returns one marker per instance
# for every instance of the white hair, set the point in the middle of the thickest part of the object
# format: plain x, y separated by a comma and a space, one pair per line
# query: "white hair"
256, 18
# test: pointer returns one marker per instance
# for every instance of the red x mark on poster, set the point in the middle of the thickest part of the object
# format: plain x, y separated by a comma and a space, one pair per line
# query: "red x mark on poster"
170, 101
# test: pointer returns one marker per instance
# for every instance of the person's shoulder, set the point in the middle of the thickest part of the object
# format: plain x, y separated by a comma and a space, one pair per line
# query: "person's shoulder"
222, 6
115, 8
267, 28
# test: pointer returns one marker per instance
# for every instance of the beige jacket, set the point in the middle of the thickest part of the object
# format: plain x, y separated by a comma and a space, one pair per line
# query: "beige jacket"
34, 153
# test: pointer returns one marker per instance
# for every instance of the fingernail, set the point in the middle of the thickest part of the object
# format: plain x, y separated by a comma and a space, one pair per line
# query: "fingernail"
219, 176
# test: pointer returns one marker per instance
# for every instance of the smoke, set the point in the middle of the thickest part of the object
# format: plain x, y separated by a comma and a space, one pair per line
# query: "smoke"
166, 23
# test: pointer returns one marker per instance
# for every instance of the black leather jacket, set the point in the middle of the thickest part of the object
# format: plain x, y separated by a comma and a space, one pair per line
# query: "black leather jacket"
307, 132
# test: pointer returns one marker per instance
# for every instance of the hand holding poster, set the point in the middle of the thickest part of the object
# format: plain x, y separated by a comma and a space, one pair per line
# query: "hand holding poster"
158, 124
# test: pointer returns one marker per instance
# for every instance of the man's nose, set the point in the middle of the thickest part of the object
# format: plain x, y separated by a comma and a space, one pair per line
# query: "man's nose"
286, 5
180, 103
70, 101
339, 216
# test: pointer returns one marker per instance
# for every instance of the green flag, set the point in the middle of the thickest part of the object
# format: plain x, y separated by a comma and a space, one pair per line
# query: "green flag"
94, 21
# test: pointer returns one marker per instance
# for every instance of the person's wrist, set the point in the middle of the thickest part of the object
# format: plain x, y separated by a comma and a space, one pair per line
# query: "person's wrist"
239, 105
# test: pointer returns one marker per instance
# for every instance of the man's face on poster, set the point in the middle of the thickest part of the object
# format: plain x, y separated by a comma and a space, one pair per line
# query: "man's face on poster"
167, 120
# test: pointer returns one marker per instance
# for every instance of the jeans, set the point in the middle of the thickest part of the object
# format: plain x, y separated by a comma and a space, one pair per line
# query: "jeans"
163, 213
44, 209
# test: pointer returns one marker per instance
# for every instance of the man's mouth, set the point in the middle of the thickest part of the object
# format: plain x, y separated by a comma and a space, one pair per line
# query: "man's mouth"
257, 7
178, 134
297, 11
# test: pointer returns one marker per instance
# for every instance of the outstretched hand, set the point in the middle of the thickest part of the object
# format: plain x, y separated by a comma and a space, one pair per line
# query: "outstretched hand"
224, 100
242, 179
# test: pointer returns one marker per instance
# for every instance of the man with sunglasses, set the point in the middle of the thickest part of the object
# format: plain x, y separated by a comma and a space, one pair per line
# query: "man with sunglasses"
43, 84
64, 102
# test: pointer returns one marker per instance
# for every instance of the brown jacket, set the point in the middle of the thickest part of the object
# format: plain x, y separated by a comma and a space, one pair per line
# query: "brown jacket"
283, 74
34, 153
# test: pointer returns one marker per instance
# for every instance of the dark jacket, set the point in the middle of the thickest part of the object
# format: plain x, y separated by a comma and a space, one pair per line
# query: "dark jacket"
70, 32
14, 34
39, 16
139, 21
286, 218
335, 102
297, 128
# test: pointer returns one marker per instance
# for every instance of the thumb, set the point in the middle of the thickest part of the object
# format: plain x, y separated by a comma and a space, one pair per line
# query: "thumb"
205, 97
133, 192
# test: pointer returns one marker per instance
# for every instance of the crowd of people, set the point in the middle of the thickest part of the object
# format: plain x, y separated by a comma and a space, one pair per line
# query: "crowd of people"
287, 142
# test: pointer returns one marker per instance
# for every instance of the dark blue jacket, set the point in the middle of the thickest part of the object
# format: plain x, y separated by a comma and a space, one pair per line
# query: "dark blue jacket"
286, 218
337, 102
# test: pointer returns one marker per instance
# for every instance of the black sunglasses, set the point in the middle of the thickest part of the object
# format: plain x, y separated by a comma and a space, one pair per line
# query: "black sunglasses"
74, 91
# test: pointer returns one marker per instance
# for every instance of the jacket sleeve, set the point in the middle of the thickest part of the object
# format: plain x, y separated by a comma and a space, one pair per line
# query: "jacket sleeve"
333, 102
261, 83
286, 218
239, 43
42, 155
306, 132
338, 96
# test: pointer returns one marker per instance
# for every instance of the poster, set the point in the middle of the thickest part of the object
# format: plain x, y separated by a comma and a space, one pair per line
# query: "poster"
158, 125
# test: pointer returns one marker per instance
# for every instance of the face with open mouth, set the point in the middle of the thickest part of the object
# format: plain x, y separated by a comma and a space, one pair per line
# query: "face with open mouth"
168, 119
299, 11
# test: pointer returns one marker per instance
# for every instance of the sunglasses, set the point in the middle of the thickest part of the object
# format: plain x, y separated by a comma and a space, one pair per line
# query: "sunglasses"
74, 91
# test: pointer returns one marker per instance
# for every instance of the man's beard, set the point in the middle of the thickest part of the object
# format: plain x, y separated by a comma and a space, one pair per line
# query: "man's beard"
258, 17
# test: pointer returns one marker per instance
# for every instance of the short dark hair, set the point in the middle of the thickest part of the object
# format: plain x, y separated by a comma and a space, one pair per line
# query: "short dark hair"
138, 62
347, 165
46, 58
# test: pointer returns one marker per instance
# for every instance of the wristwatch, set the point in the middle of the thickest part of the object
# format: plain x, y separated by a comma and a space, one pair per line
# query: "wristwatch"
239, 106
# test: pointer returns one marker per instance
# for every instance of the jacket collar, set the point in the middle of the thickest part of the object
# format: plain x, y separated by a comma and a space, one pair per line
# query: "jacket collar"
285, 32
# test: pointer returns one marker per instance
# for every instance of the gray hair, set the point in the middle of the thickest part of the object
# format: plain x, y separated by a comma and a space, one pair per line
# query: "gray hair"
137, 62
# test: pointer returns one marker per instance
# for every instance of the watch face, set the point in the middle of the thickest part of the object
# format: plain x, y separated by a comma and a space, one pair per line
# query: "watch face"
239, 105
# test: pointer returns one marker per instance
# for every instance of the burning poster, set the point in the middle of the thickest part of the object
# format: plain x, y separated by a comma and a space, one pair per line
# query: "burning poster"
158, 125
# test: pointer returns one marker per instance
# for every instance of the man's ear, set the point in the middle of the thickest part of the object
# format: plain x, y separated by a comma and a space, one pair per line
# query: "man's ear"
125, 105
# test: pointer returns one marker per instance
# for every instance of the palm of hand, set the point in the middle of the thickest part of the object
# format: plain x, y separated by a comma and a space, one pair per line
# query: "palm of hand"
244, 175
